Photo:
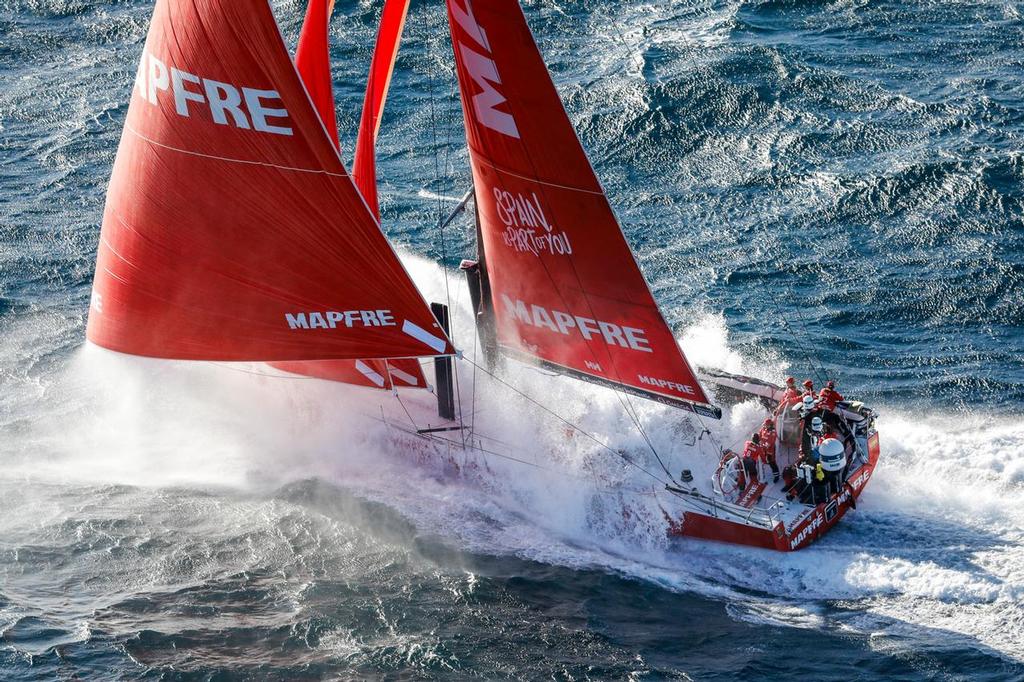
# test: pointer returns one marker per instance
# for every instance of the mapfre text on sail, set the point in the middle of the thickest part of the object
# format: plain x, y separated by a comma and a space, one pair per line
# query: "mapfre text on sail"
227, 104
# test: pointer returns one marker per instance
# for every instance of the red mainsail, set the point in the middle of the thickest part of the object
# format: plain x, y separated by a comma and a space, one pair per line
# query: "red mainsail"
232, 230
565, 287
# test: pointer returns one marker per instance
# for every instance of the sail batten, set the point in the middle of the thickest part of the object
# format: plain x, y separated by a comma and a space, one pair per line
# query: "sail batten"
232, 230
565, 287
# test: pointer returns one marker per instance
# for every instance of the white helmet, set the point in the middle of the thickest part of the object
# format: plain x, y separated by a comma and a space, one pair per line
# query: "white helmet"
817, 424
832, 455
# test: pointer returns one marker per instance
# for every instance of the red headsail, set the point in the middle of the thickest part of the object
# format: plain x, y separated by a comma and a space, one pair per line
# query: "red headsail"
313, 62
232, 231
312, 59
566, 289
364, 168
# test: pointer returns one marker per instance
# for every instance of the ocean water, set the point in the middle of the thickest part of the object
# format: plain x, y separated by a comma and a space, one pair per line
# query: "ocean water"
822, 188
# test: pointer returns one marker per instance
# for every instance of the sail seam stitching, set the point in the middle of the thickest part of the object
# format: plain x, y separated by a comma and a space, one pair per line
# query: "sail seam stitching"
225, 158
538, 181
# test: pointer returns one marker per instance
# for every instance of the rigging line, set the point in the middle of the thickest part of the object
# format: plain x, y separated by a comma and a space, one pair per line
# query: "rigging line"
567, 422
774, 252
822, 375
785, 324
639, 67
440, 211
632, 57
437, 171
404, 409
476, 339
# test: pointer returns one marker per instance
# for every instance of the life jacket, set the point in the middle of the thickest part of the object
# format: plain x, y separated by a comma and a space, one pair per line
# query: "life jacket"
753, 450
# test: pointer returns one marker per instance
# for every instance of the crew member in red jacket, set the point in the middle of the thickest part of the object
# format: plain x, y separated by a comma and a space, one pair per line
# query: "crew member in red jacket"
753, 453
790, 397
767, 438
809, 389
829, 396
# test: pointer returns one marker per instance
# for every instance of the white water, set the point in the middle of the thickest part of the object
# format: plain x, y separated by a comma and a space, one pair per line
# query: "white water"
937, 542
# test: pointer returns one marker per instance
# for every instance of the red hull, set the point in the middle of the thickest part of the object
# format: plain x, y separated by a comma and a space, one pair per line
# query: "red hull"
809, 528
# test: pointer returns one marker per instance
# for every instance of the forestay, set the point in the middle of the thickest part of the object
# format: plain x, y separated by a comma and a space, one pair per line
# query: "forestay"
232, 230
566, 289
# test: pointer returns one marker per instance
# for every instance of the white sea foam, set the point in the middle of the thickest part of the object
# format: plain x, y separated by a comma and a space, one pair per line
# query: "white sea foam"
937, 542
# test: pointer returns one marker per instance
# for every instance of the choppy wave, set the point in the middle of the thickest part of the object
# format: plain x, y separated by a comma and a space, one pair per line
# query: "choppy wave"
820, 164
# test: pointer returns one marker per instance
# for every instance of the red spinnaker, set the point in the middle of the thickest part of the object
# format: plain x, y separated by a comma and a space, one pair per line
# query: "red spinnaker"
231, 230
566, 289
364, 167
312, 59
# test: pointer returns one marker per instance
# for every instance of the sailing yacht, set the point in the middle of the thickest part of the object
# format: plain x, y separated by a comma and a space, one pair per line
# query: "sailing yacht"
234, 232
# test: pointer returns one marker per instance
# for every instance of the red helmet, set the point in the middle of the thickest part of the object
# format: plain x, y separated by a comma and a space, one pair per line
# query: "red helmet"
768, 423
790, 381
808, 384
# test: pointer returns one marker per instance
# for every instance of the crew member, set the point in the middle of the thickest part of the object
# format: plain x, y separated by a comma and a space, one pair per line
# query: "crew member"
832, 460
813, 434
829, 397
817, 431
767, 435
791, 396
752, 453
808, 406
809, 389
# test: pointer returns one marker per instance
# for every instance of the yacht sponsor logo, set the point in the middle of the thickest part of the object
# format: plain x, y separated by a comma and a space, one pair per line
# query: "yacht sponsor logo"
527, 229
811, 526
570, 325
484, 72
226, 104
332, 319
860, 480
666, 384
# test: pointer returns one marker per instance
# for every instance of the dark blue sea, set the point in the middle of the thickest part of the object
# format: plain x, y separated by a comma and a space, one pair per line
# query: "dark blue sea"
818, 188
